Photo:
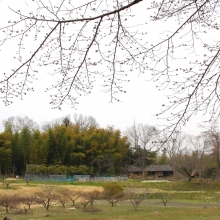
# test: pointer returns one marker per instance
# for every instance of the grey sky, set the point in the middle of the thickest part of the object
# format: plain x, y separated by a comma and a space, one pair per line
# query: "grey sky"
140, 102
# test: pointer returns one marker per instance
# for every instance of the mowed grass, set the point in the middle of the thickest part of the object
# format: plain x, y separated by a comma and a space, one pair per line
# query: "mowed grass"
123, 212
186, 200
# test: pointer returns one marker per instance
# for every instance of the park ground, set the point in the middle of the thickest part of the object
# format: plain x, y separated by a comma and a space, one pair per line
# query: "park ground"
199, 199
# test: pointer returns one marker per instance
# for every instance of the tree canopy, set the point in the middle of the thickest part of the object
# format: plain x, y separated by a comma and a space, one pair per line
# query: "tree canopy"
84, 149
61, 148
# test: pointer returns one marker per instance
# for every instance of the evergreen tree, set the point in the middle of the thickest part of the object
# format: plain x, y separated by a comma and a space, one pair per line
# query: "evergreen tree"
25, 144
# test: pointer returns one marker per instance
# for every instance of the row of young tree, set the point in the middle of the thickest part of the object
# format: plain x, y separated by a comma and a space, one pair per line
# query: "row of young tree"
82, 146
50, 195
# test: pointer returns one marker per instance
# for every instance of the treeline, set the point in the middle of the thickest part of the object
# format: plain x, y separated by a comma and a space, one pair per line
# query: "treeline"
81, 143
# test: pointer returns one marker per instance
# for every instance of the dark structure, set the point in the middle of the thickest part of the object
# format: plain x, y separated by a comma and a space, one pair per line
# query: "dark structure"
160, 170
134, 170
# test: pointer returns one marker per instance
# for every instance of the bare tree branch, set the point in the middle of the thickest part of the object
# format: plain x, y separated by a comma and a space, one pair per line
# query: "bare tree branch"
101, 40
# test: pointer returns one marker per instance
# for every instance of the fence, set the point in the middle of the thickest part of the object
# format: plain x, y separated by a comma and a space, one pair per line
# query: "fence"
52, 178
109, 179
75, 178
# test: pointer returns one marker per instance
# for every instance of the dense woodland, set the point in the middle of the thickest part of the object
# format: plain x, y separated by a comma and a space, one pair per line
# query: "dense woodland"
80, 146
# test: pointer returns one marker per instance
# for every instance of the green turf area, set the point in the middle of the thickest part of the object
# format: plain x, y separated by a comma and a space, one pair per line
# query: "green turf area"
186, 200
123, 211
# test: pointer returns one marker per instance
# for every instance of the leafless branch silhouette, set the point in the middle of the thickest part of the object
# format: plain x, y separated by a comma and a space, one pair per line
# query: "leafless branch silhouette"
101, 40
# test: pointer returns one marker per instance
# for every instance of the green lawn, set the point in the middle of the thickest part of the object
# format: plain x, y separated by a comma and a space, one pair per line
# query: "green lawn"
186, 200
123, 212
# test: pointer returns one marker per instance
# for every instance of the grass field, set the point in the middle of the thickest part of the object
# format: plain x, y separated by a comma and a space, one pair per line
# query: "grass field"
123, 211
186, 200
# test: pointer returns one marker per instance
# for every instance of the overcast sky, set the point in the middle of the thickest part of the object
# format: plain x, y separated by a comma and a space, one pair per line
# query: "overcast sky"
140, 102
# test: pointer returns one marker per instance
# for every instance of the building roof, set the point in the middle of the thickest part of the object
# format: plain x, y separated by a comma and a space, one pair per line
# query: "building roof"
158, 168
133, 168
